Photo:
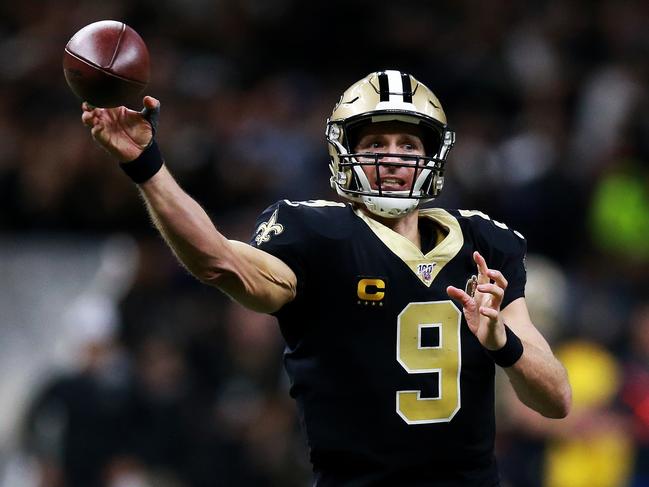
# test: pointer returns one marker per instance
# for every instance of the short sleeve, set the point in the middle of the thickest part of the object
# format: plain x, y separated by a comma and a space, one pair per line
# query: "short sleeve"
514, 270
504, 249
280, 231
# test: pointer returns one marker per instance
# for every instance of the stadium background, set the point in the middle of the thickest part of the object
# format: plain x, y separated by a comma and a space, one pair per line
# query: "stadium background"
118, 369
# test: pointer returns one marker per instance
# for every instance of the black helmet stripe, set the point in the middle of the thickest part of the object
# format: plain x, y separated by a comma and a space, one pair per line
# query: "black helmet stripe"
407, 88
384, 87
389, 86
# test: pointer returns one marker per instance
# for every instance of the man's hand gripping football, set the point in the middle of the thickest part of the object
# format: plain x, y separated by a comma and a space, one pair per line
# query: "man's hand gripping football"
122, 132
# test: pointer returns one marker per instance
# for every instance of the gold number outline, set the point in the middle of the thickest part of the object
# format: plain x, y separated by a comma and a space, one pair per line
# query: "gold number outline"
431, 401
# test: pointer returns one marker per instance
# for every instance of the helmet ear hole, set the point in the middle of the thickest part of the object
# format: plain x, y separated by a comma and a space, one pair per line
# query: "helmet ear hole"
352, 132
432, 141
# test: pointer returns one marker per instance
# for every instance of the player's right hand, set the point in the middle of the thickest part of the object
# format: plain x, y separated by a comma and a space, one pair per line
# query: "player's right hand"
482, 309
124, 133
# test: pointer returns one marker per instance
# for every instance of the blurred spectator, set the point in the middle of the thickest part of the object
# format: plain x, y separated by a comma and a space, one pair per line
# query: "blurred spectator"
590, 448
620, 214
635, 393
254, 409
76, 425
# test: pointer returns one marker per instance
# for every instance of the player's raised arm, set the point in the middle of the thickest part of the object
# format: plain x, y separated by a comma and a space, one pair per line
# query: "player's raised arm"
255, 278
508, 335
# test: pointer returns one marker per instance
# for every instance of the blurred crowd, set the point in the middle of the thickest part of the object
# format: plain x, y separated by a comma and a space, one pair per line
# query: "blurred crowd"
173, 384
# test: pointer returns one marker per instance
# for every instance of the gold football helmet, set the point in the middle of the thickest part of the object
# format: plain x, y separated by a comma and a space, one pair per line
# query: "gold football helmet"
380, 97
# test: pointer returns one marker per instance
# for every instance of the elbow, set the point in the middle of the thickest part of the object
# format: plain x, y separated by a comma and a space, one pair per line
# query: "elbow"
559, 411
565, 403
205, 274
561, 405
209, 275
208, 270
245, 292
564, 399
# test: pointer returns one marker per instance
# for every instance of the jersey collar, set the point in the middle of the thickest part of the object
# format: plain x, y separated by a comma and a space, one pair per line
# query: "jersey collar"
425, 266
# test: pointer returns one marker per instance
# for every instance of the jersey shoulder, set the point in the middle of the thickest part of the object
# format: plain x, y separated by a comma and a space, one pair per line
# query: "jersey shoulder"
303, 233
503, 248
295, 220
490, 233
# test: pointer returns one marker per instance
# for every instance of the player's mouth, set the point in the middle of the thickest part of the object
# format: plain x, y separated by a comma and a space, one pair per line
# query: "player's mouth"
392, 184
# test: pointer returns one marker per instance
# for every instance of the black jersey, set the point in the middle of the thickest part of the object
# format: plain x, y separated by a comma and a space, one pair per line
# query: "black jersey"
391, 385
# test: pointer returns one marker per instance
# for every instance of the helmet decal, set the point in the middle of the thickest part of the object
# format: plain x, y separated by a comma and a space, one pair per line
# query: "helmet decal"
394, 83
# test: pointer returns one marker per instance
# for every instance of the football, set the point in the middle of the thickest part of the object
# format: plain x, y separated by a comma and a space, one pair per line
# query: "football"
106, 63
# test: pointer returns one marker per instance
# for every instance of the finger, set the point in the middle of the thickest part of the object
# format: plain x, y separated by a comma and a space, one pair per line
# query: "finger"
88, 119
96, 130
482, 267
498, 278
459, 295
489, 312
494, 290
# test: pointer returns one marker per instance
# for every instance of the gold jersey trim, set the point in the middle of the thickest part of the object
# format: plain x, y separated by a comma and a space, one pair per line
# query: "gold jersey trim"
425, 266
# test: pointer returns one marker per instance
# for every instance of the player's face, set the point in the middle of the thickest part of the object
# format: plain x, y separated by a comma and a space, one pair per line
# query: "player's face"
390, 138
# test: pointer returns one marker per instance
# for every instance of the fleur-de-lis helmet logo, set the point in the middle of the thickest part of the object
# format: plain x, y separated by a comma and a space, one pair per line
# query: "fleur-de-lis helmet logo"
267, 229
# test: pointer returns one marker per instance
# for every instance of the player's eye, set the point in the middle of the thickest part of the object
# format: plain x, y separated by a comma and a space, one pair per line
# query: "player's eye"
370, 145
412, 146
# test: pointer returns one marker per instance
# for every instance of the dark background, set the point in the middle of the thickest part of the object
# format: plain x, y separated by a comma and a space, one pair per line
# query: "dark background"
173, 384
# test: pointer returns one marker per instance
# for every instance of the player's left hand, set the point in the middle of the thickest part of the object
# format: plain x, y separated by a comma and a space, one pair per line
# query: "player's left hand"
482, 310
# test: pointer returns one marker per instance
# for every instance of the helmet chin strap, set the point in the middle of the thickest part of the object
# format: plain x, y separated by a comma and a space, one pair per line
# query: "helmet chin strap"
383, 206
390, 207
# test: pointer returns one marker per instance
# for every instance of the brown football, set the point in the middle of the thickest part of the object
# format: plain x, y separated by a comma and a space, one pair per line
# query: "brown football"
107, 64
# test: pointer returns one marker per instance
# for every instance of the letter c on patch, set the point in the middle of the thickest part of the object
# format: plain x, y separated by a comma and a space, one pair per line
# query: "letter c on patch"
371, 289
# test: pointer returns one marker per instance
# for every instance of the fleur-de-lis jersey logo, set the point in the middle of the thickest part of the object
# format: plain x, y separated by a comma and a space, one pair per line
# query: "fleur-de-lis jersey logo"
267, 229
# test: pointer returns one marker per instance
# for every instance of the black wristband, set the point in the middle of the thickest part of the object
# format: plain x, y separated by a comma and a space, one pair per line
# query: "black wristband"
510, 353
145, 166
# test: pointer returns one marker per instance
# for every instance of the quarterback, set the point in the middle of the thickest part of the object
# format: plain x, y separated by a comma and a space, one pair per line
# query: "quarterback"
395, 315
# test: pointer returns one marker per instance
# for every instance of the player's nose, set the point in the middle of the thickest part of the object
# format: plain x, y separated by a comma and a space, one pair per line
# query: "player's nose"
393, 159
389, 154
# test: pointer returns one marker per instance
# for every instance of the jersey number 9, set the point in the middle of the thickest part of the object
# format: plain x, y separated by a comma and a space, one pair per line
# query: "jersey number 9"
443, 359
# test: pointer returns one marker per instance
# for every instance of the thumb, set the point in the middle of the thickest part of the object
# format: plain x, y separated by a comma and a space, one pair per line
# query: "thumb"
150, 102
151, 112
